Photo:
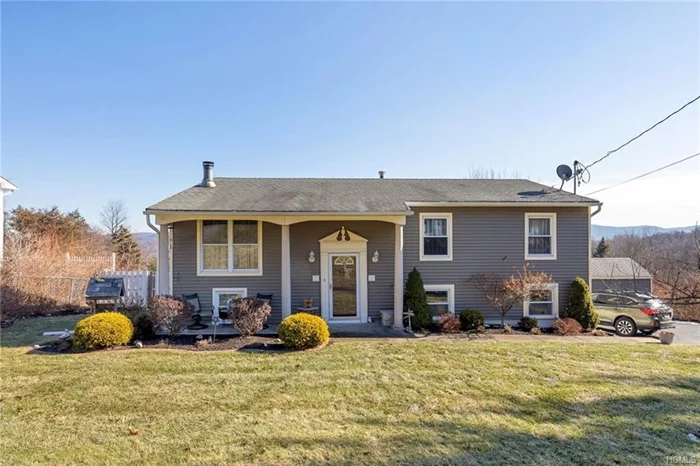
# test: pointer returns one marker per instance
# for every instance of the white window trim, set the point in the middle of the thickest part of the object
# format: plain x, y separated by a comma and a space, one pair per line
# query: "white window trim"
553, 224
448, 216
230, 272
450, 295
554, 288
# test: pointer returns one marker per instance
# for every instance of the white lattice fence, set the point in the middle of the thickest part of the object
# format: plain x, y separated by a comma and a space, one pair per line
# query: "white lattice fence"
107, 261
138, 283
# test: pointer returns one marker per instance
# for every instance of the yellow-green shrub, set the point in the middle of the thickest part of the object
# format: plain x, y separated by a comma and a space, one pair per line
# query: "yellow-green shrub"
103, 330
300, 331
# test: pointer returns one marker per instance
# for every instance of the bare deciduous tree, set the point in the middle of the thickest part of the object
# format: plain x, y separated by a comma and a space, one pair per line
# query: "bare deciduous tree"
673, 259
482, 173
113, 216
504, 292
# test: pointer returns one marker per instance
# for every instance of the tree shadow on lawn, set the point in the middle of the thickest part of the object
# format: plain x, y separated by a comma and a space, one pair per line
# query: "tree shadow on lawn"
29, 331
617, 430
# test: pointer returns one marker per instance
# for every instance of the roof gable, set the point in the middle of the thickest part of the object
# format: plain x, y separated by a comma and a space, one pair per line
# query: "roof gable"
617, 268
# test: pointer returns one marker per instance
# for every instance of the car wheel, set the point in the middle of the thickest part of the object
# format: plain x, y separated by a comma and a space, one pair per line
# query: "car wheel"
625, 327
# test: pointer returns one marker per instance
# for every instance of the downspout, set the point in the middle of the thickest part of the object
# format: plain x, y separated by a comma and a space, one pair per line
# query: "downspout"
150, 225
157, 231
590, 255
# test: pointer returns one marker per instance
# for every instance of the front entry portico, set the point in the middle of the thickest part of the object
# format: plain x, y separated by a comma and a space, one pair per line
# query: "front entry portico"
344, 277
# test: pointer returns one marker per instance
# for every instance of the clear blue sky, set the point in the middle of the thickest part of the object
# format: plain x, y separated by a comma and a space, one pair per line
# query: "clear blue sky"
124, 100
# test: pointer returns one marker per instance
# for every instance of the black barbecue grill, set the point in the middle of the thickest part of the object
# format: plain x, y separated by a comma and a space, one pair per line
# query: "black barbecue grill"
104, 289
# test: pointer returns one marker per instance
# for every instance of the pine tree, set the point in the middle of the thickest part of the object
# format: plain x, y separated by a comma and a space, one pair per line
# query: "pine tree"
414, 299
602, 250
581, 305
127, 249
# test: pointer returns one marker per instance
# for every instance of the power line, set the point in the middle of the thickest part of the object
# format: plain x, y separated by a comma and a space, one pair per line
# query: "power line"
645, 174
642, 133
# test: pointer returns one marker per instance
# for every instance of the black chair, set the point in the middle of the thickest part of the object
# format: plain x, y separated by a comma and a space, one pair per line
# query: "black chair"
193, 299
265, 297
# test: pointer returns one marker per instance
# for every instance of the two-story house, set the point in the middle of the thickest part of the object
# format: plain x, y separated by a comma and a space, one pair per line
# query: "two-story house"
350, 243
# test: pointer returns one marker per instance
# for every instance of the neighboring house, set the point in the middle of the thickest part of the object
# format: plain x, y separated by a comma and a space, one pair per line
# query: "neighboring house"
620, 274
350, 243
5, 188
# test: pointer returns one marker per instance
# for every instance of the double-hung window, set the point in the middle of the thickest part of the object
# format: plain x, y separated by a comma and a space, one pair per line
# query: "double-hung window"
229, 247
540, 236
440, 300
435, 237
542, 303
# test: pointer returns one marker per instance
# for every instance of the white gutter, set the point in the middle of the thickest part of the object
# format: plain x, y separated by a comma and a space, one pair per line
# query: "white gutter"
403, 213
600, 207
151, 226
502, 204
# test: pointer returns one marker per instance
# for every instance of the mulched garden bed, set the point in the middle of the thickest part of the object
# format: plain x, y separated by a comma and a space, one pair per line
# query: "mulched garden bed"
191, 343
516, 331
183, 342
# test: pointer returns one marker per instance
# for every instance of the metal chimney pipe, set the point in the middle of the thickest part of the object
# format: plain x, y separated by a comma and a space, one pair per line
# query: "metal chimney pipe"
208, 180
381, 174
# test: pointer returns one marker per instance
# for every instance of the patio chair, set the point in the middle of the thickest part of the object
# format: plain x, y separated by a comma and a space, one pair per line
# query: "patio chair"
193, 299
265, 297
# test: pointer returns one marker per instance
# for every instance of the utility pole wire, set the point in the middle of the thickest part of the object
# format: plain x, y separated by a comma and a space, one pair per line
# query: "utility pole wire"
642, 133
645, 174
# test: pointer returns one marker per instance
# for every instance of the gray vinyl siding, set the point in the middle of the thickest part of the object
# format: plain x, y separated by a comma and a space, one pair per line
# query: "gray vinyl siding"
640, 284
483, 236
186, 281
304, 238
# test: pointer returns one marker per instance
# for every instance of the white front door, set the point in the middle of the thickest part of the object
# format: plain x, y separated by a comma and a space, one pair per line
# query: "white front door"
344, 290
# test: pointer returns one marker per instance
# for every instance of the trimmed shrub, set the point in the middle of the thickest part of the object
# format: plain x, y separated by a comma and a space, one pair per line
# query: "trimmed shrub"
170, 312
143, 325
481, 329
535, 330
415, 300
508, 329
567, 327
447, 323
302, 330
528, 323
471, 319
103, 330
580, 305
135, 310
249, 315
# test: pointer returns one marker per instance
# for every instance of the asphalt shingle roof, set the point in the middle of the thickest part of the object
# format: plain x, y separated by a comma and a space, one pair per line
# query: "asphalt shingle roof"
617, 268
356, 195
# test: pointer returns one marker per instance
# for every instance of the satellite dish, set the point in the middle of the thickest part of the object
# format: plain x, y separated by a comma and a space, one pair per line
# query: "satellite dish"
564, 172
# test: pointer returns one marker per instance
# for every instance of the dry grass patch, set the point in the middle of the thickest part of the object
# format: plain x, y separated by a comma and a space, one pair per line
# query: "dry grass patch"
354, 403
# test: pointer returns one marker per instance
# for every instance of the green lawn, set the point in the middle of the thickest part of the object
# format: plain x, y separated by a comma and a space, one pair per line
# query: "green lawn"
354, 402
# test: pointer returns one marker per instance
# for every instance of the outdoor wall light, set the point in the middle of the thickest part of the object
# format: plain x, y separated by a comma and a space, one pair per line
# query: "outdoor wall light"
375, 256
312, 257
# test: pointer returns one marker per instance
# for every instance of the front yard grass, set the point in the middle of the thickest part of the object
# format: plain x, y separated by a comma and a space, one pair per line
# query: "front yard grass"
354, 402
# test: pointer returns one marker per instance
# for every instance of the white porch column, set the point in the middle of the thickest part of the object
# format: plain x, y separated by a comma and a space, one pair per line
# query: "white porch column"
398, 276
163, 274
286, 273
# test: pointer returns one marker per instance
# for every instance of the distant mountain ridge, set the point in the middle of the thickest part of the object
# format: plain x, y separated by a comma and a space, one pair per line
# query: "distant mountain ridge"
148, 242
600, 231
